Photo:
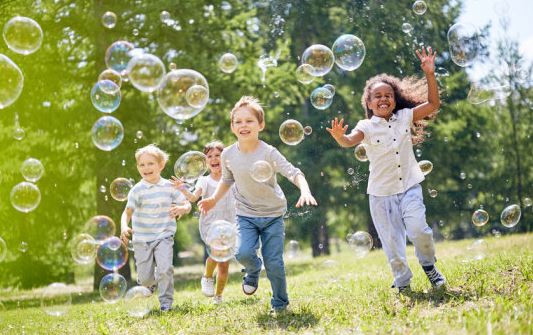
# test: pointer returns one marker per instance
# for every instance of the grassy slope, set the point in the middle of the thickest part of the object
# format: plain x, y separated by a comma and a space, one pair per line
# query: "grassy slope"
336, 295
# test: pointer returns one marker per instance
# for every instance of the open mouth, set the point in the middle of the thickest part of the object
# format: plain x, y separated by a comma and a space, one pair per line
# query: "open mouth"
244, 132
216, 165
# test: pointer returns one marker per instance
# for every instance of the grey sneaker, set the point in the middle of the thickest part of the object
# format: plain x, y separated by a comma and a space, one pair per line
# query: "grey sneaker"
208, 286
217, 299
165, 309
436, 278
248, 287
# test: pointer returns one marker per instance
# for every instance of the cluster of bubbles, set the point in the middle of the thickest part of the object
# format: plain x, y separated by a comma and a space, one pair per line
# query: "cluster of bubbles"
190, 166
322, 97
228, 63
360, 152
360, 242
464, 44
291, 132
292, 249
119, 189
261, 171
425, 166
56, 299
26, 196
222, 240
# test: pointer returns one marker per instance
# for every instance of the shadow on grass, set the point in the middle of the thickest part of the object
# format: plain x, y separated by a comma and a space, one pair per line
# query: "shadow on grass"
287, 320
439, 296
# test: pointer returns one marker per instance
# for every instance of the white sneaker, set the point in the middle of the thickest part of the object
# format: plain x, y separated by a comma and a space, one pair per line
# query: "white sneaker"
217, 299
249, 289
208, 286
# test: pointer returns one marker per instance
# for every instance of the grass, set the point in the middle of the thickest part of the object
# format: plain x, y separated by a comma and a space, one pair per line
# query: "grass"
340, 294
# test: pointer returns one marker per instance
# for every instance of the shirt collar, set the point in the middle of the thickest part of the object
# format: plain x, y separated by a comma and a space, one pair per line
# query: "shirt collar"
377, 119
161, 182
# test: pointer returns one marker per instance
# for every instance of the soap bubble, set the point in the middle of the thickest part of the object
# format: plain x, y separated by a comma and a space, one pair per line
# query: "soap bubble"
222, 240
291, 132
119, 189
261, 171
197, 96
11, 81
112, 254
56, 299
83, 248
433, 193
164, 16
419, 7
308, 130
360, 242
109, 20
320, 57
304, 74
3, 249
146, 72
112, 287
478, 95
25, 197
476, 250
321, 98
112, 75
139, 134
527, 202
330, 88
480, 217
18, 133
23, 35
105, 96
107, 133
190, 166
463, 40
264, 62
425, 166
292, 249
118, 55
228, 63
23, 247
100, 227
138, 301
510, 216
360, 152
462, 175
407, 28
32, 169
172, 94
349, 52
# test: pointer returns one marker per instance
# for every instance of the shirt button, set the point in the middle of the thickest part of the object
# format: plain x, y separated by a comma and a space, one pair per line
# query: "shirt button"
390, 126
396, 152
400, 178
398, 165
394, 139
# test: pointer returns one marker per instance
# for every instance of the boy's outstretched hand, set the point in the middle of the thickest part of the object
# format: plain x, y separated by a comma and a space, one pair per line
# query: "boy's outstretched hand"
427, 60
177, 182
337, 129
125, 235
306, 199
205, 205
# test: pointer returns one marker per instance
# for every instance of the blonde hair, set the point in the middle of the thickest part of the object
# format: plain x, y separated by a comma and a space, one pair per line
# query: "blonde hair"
152, 149
254, 105
213, 145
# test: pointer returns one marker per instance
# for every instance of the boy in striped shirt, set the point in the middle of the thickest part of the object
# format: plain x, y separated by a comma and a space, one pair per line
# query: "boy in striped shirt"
153, 228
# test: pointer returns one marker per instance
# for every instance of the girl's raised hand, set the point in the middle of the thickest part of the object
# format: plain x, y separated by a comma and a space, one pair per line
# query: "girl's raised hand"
427, 60
177, 182
337, 129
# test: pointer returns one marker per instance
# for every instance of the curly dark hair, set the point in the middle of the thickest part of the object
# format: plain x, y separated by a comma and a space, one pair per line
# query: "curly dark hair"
408, 93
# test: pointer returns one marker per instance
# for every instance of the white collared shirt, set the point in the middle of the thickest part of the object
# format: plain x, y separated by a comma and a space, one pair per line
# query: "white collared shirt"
393, 166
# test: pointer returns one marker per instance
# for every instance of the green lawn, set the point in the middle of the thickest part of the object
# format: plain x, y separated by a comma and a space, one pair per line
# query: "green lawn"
340, 294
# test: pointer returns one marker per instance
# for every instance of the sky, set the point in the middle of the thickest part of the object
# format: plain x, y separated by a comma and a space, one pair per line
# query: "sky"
481, 12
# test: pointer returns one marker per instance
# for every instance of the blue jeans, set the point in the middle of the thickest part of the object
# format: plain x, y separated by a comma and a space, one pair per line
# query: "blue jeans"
271, 230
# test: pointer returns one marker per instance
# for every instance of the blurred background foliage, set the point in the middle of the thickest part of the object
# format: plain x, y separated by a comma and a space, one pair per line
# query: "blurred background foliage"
488, 142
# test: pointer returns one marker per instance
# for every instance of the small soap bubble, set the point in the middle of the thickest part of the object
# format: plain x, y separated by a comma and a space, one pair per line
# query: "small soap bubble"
109, 20
304, 74
190, 166
320, 57
476, 250
360, 242
407, 28
349, 52
119, 189
18, 133
433, 193
172, 66
83, 248
228, 63
23, 247
360, 152
480, 217
419, 7
146, 72
118, 55
112, 254
292, 249
32, 169
291, 132
261, 171
100, 227
321, 98
197, 96
426, 166
56, 299
107, 133
418, 152
527, 202
112, 287
23, 35
510, 216
222, 240
164, 16
139, 134
25, 197
308, 130
106, 96
138, 301
350, 171
112, 75
330, 88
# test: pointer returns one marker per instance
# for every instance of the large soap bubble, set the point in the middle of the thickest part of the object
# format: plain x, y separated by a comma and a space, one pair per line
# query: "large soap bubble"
11, 81
112, 287
190, 166
291, 132
83, 248
32, 169
56, 299
349, 52
197, 96
360, 242
106, 96
146, 72
25, 197
320, 57
480, 217
138, 301
3, 249
463, 40
228, 63
100, 227
23, 35
425, 166
360, 152
321, 98
112, 254
304, 74
261, 171
119, 188
107, 133
118, 55
222, 240
510, 216
172, 94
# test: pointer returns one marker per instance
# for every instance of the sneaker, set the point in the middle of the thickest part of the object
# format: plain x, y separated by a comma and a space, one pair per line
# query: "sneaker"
436, 278
217, 299
279, 311
247, 287
165, 309
402, 289
208, 286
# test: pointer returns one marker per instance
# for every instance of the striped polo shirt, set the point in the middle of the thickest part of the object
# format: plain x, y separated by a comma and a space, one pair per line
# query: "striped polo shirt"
151, 205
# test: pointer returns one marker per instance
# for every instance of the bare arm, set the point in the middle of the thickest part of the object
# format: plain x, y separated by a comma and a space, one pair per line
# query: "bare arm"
125, 230
427, 63
180, 185
338, 132
306, 198
208, 203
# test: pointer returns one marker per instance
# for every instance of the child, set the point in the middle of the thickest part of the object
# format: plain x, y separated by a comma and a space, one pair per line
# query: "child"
224, 210
394, 107
148, 208
259, 206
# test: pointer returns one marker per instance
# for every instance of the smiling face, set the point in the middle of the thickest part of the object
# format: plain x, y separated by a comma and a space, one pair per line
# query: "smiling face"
150, 168
382, 101
245, 124
213, 160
